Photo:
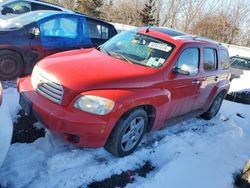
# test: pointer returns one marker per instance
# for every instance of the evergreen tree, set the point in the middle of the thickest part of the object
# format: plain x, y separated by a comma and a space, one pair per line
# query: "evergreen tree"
90, 7
147, 13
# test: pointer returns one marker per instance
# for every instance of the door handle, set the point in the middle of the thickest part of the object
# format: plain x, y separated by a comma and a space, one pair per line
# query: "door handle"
196, 82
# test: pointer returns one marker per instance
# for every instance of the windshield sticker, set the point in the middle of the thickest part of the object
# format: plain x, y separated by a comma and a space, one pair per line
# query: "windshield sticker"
160, 46
155, 61
161, 61
151, 61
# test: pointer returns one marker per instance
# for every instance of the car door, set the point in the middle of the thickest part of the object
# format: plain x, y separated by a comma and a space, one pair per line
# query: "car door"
60, 33
184, 83
99, 33
210, 75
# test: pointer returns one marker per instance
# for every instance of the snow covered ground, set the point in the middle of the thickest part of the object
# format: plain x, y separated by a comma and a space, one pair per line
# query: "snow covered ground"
195, 153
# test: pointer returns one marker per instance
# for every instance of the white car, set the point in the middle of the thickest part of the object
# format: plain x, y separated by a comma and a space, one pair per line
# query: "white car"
12, 8
6, 128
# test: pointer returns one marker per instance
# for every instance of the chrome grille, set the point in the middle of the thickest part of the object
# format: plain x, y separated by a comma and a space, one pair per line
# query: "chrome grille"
46, 87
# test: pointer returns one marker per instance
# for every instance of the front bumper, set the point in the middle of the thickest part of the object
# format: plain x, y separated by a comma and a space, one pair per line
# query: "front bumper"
91, 130
6, 129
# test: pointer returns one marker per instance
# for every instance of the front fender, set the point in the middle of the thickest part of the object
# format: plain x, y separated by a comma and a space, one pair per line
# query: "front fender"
127, 99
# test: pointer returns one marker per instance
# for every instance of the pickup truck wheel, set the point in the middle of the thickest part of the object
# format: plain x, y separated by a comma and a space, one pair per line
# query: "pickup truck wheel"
128, 133
11, 65
214, 108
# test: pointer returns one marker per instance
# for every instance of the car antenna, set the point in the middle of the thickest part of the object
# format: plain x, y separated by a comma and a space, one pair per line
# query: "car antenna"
147, 30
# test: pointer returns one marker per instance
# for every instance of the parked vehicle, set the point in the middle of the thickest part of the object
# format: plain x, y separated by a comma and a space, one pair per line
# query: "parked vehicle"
237, 65
30, 37
6, 129
13, 8
134, 83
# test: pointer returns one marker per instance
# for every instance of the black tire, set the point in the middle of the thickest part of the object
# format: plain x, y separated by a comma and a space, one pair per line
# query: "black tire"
11, 65
115, 143
214, 108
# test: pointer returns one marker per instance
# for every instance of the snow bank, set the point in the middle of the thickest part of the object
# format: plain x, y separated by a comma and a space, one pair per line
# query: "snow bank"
6, 129
11, 99
242, 83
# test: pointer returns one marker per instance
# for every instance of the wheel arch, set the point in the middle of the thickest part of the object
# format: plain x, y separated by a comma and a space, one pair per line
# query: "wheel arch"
148, 108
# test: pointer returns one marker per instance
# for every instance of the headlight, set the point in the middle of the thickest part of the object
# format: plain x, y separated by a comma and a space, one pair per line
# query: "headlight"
94, 104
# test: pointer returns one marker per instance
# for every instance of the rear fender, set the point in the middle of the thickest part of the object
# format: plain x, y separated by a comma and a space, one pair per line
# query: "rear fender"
223, 85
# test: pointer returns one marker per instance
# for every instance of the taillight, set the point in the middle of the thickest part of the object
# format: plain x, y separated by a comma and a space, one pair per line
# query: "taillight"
1, 94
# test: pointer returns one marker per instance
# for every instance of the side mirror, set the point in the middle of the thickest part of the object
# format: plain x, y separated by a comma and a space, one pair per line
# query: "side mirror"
34, 33
7, 10
177, 70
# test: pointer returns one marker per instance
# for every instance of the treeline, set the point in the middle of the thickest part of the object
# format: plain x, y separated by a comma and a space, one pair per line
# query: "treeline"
227, 21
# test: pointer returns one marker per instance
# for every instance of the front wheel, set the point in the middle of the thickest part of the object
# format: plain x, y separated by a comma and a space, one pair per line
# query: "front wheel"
214, 108
128, 133
11, 65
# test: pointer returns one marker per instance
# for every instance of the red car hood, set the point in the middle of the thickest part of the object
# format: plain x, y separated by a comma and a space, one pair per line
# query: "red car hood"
89, 69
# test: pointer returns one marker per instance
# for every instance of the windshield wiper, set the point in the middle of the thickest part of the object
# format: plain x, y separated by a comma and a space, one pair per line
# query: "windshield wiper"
102, 49
120, 56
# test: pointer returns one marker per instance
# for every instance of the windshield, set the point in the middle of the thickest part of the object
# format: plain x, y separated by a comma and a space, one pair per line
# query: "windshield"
240, 63
24, 19
138, 48
2, 1
18, 7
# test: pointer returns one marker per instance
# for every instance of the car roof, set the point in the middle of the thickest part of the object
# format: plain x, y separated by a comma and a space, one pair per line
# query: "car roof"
38, 15
242, 57
39, 2
181, 36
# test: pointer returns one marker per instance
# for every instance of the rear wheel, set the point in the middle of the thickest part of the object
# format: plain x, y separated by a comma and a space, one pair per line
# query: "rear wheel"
214, 108
128, 133
11, 65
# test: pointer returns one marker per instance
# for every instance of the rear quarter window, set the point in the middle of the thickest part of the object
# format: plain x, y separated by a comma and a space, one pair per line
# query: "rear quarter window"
224, 59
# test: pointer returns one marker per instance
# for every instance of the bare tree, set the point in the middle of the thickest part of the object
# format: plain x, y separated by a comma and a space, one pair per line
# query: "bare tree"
217, 27
90, 7
190, 11
171, 13
147, 14
125, 12
69, 4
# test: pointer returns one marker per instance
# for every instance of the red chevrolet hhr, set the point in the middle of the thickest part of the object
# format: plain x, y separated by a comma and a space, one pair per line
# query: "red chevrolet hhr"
138, 81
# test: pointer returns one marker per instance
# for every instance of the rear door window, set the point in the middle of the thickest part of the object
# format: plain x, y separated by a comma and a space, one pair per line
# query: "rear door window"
210, 59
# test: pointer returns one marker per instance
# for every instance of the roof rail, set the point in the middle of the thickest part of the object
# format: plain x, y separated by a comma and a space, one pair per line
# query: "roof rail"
197, 38
206, 39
